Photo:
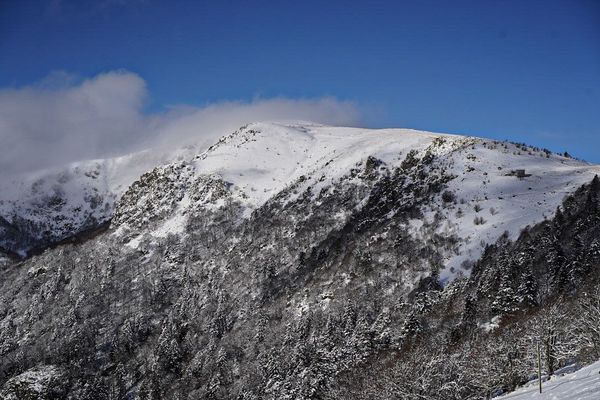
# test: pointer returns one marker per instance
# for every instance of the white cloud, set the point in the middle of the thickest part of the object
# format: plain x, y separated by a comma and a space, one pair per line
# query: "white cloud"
46, 125
58, 122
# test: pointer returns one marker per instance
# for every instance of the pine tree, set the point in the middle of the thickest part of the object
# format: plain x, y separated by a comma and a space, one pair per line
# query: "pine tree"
527, 290
411, 326
559, 217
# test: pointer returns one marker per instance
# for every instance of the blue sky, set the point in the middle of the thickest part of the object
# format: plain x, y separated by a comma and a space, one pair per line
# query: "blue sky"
519, 70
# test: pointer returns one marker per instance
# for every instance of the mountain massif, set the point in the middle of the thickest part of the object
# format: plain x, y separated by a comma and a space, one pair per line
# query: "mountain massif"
300, 261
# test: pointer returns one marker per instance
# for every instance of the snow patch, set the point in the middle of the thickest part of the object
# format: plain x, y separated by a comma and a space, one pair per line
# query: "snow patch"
583, 384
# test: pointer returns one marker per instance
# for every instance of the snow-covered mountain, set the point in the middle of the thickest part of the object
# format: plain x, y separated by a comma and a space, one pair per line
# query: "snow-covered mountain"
484, 199
295, 260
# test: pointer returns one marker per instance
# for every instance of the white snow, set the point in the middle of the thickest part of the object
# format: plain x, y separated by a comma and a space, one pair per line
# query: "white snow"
267, 157
583, 384
492, 325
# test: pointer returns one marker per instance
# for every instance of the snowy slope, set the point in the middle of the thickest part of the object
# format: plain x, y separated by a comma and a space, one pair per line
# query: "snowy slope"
505, 202
583, 384
264, 159
261, 160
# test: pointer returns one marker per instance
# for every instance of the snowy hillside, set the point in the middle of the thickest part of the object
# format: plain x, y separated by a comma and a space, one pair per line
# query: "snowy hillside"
485, 198
583, 384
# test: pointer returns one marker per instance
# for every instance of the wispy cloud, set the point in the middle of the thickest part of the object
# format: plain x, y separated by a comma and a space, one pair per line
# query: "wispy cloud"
62, 120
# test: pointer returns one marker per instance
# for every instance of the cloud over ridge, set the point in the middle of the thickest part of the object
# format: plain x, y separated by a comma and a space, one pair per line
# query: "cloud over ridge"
60, 121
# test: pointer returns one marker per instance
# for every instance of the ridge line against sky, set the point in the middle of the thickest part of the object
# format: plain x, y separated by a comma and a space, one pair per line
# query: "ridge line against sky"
522, 71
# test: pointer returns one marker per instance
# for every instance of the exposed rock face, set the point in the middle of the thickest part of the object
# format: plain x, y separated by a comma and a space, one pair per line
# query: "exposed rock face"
288, 260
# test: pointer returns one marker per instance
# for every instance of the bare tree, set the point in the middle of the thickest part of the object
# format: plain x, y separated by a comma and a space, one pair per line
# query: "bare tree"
588, 323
